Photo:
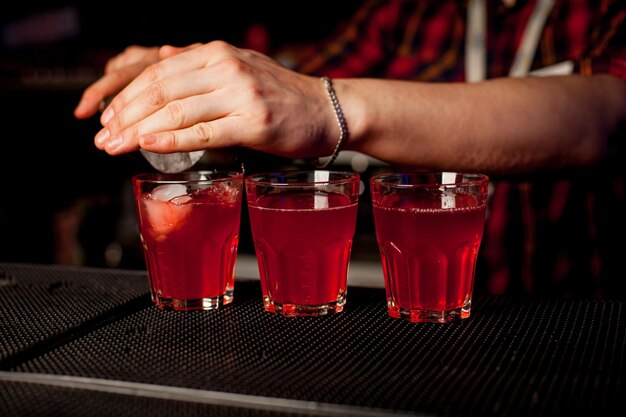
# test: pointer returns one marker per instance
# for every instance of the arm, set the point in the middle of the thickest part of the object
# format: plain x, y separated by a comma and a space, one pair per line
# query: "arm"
217, 95
498, 126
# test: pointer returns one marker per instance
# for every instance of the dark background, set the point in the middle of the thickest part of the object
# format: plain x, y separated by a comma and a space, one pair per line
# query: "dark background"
62, 200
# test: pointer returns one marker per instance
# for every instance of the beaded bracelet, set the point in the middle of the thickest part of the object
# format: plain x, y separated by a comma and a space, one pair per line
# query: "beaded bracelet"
341, 120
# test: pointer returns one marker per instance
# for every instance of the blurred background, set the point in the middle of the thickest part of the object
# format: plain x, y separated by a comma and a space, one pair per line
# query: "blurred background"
65, 202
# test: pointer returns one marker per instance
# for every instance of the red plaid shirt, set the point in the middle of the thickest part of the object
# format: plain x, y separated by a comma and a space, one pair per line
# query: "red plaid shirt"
563, 234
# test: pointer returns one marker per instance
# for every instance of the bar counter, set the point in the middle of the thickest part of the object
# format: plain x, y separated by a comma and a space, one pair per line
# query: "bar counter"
83, 341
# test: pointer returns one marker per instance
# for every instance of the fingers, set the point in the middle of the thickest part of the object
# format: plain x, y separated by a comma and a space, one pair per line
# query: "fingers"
141, 100
106, 86
157, 95
176, 115
176, 64
204, 135
198, 97
194, 57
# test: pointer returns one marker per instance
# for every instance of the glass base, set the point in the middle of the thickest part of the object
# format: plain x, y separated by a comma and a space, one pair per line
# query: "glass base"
210, 303
417, 315
298, 310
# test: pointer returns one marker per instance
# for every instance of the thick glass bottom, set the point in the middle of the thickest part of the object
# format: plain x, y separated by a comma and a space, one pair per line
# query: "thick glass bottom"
417, 315
210, 303
300, 310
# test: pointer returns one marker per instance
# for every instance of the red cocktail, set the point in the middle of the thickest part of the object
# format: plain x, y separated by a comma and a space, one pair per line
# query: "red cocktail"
189, 226
303, 225
429, 228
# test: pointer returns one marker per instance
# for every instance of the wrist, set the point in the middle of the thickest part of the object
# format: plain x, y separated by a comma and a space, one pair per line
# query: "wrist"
355, 111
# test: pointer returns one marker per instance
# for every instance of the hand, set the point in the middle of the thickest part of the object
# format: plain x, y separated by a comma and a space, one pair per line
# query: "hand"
119, 72
216, 95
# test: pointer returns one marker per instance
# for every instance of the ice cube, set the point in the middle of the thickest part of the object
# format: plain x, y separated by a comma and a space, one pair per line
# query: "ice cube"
165, 210
167, 192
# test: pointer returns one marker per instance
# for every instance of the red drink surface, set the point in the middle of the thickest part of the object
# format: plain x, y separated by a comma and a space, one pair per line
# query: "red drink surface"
190, 242
303, 251
429, 253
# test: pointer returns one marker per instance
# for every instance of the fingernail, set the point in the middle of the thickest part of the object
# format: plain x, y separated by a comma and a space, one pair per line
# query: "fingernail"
148, 140
114, 142
102, 136
107, 116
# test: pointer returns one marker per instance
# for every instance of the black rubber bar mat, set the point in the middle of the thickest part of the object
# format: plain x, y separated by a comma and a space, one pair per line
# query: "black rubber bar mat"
511, 358
40, 304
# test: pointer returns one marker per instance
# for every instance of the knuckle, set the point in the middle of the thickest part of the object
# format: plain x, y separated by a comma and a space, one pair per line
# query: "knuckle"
116, 123
175, 113
153, 72
233, 65
131, 134
219, 46
155, 95
169, 141
264, 115
174, 141
254, 94
203, 132
119, 102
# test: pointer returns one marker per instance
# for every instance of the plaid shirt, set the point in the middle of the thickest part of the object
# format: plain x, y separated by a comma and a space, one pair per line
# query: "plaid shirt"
563, 234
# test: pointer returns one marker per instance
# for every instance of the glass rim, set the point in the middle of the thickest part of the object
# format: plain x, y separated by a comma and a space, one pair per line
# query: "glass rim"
348, 176
478, 179
179, 177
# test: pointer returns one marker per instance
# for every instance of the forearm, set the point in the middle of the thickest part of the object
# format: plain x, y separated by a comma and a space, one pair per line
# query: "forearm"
499, 126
